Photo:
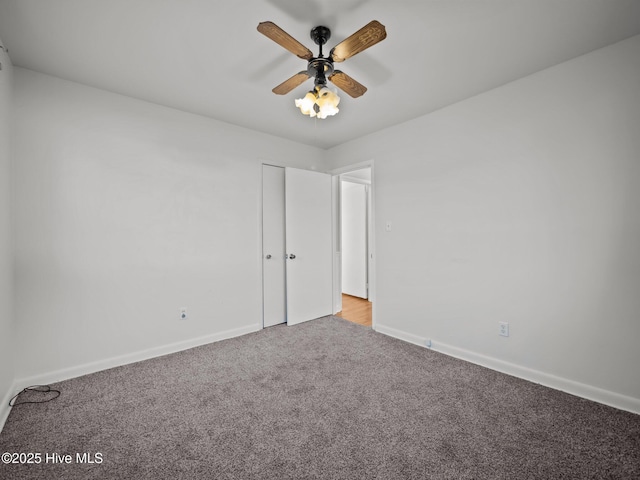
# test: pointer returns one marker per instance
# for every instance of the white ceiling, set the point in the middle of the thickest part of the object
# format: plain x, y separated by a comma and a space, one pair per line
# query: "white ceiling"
206, 56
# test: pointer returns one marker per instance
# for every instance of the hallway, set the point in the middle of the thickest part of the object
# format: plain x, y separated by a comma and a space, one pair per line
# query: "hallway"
356, 310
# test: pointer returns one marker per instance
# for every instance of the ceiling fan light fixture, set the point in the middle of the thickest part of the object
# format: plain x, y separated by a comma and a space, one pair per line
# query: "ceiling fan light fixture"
307, 104
327, 101
321, 102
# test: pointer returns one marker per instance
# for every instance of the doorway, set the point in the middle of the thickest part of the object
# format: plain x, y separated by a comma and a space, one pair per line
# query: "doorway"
357, 310
276, 311
354, 241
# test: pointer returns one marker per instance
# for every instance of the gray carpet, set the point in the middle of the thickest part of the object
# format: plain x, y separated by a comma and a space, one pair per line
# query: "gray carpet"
326, 399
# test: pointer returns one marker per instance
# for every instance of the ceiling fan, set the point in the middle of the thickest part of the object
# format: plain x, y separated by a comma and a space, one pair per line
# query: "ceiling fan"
321, 68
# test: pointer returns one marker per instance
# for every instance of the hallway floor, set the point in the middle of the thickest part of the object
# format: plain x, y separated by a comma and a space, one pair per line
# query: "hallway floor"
356, 310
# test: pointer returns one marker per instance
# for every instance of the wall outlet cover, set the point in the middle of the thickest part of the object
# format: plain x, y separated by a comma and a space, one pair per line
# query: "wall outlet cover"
503, 329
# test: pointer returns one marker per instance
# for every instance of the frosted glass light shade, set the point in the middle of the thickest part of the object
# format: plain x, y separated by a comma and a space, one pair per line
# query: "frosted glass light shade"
307, 104
327, 101
321, 102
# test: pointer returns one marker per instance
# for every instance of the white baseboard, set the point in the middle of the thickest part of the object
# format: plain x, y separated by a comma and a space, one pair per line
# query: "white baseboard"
589, 392
5, 409
93, 367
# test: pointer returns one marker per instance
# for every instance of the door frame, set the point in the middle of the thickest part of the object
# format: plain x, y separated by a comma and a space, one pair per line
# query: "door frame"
337, 220
365, 190
335, 243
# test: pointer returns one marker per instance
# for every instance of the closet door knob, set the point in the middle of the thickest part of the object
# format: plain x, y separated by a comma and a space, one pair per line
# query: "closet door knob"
268, 257
292, 256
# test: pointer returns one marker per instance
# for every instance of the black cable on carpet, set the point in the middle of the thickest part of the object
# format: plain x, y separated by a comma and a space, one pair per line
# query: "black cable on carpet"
34, 388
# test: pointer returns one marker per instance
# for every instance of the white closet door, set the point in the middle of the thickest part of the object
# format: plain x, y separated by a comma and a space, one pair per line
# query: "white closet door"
273, 261
308, 245
354, 239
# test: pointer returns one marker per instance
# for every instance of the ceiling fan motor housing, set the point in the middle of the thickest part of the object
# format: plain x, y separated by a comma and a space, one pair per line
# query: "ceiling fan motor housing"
320, 68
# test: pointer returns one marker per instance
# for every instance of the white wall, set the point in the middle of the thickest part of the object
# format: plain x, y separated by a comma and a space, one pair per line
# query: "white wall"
517, 205
125, 212
520, 205
6, 289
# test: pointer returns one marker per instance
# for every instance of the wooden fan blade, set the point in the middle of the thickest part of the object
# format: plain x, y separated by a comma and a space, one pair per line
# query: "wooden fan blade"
282, 38
347, 84
366, 37
288, 85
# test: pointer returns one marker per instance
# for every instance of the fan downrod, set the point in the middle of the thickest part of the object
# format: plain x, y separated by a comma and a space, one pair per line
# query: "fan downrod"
320, 67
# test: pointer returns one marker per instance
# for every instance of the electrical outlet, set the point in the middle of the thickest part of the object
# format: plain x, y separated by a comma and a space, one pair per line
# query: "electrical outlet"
183, 313
503, 329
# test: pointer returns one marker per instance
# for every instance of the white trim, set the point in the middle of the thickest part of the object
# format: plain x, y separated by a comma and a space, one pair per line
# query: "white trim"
261, 239
336, 244
353, 168
337, 172
5, 409
606, 397
401, 335
346, 178
93, 367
